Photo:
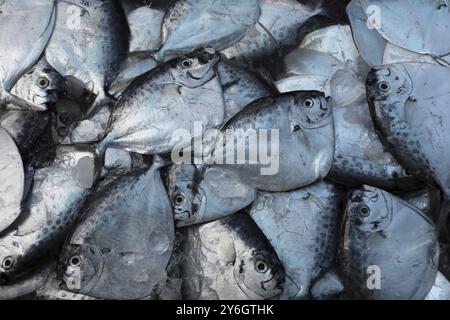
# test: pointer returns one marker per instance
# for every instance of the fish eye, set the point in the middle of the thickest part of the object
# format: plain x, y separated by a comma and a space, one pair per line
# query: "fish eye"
308, 102
8, 263
363, 210
261, 266
179, 198
384, 86
75, 260
186, 63
43, 82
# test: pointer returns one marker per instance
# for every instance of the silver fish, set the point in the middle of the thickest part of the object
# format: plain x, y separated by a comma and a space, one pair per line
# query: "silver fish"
12, 179
199, 197
302, 226
26, 29
188, 24
145, 29
170, 97
385, 238
409, 105
229, 259
124, 240
301, 144
393, 20
89, 42
54, 202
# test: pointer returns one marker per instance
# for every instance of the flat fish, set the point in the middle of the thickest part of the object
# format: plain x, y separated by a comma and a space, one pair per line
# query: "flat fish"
12, 179
26, 29
145, 29
173, 96
409, 105
199, 197
123, 242
422, 28
90, 40
58, 192
302, 226
388, 248
229, 259
187, 25
300, 145
369, 42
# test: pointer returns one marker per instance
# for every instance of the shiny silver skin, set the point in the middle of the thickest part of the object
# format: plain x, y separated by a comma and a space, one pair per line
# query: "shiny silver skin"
124, 240
12, 177
240, 87
27, 284
276, 29
302, 226
145, 29
172, 96
440, 289
26, 29
230, 20
304, 121
229, 259
49, 211
409, 103
200, 196
382, 230
429, 18
90, 40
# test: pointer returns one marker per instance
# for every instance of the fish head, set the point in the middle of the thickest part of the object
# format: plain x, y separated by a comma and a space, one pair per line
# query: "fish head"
388, 88
196, 68
81, 267
309, 110
10, 258
39, 87
368, 211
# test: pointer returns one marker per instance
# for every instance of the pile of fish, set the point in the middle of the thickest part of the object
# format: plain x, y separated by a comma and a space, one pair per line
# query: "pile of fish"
127, 166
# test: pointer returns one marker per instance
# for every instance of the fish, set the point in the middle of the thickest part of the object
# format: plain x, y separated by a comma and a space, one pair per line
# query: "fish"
388, 248
440, 289
122, 244
27, 284
26, 31
54, 201
302, 226
12, 177
409, 106
89, 42
395, 54
202, 195
25, 127
167, 100
369, 42
187, 25
229, 259
301, 145
393, 20
427, 200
